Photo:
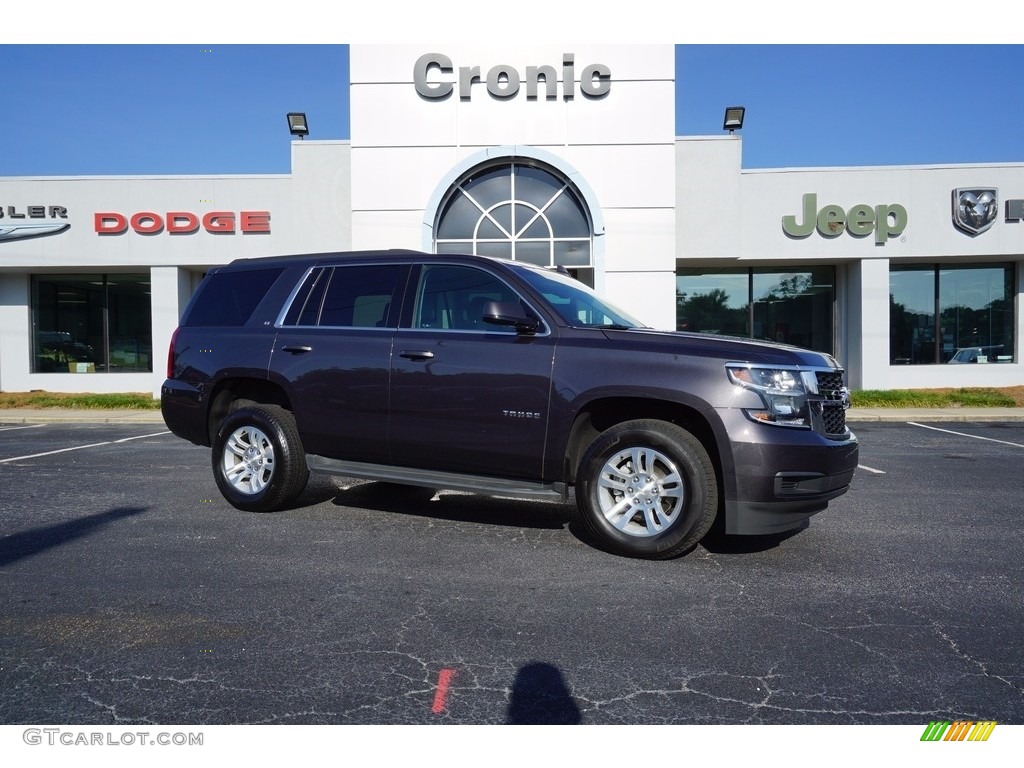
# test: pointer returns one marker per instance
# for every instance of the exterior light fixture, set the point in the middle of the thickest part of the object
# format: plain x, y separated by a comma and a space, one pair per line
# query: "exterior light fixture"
733, 119
297, 124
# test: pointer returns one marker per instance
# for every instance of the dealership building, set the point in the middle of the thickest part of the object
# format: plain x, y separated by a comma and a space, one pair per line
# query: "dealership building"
556, 155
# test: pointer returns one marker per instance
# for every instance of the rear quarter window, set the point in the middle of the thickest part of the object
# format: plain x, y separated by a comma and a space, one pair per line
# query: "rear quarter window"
229, 298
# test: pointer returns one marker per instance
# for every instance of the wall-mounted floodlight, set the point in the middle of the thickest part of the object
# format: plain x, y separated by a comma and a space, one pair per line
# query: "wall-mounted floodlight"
733, 119
297, 124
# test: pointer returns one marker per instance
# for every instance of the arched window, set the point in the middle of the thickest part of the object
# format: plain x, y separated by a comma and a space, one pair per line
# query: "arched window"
516, 210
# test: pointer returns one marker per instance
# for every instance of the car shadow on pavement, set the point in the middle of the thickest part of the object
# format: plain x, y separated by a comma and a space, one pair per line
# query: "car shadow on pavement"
452, 505
24, 544
717, 542
457, 506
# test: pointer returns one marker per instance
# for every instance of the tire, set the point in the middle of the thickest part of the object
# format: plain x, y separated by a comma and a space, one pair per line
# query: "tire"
258, 460
646, 489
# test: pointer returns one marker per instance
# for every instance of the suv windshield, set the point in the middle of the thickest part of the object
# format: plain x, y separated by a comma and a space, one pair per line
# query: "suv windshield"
576, 303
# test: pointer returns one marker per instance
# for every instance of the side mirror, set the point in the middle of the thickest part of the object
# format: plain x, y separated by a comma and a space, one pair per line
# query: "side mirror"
511, 314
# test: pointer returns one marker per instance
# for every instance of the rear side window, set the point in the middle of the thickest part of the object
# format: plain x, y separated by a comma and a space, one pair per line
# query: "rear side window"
356, 296
229, 298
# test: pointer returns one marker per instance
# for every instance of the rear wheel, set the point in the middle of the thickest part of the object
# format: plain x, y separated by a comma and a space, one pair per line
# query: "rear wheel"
258, 460
647, 489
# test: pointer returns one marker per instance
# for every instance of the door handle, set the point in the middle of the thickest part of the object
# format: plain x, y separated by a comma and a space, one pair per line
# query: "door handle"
416, 355
297, 348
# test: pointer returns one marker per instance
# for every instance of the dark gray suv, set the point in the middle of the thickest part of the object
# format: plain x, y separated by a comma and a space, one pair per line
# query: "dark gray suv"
497, 377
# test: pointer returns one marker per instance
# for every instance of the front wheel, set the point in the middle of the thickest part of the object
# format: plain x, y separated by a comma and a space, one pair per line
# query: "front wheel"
258, 460
647, 489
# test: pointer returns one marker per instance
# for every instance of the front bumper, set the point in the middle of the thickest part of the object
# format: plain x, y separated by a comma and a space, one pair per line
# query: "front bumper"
783, 475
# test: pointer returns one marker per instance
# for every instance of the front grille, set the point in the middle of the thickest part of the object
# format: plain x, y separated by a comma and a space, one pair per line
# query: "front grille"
832, 387
833, 418
830, 384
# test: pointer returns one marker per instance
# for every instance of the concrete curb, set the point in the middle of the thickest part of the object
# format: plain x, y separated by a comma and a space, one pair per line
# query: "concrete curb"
80, 416
860, 415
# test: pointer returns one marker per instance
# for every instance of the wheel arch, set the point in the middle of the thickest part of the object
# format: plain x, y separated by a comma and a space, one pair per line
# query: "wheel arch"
601, 414
232, 393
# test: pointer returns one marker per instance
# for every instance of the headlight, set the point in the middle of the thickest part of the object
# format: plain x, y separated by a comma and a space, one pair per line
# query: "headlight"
783, 391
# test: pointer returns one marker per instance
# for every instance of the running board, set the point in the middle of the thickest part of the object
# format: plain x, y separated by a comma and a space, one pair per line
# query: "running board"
428, 478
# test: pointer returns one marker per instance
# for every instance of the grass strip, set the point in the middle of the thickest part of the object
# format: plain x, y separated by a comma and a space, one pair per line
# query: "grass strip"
937, 398
81, 400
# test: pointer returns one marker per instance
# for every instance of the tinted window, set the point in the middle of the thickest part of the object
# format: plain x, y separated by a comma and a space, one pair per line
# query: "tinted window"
229, 298
360, 296
305, 307
454, 297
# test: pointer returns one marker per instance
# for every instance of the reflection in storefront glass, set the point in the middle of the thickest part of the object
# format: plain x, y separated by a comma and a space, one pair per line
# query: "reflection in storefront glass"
713, 302
91, 324
974, 321
787, 307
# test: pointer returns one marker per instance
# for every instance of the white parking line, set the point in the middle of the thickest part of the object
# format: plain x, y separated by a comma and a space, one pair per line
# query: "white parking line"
964, 434
29, 426
870, 469
80, 447
141, 437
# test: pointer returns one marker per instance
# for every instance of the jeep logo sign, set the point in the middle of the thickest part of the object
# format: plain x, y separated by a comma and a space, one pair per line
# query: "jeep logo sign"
503, 81
860, 220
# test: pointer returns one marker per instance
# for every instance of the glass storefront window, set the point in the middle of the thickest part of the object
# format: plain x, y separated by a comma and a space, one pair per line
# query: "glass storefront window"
912, 315
91, 324
790, 307
951, 314
713, 302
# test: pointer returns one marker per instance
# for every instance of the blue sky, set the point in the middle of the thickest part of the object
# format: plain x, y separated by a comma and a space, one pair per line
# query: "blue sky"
165, 109
153, 107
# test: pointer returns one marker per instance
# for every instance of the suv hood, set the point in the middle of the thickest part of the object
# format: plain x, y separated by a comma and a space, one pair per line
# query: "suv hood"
730, 348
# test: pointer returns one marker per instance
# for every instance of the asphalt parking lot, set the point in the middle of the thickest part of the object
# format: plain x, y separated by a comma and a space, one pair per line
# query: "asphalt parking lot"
132, 593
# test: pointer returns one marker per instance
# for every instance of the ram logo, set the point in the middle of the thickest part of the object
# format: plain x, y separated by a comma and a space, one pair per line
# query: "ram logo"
975, 210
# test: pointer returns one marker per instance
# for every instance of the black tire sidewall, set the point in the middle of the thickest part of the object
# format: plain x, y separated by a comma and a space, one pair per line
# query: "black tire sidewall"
290, 471
697, 470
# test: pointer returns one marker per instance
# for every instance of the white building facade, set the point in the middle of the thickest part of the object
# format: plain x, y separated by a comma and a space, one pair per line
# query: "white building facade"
556, 155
